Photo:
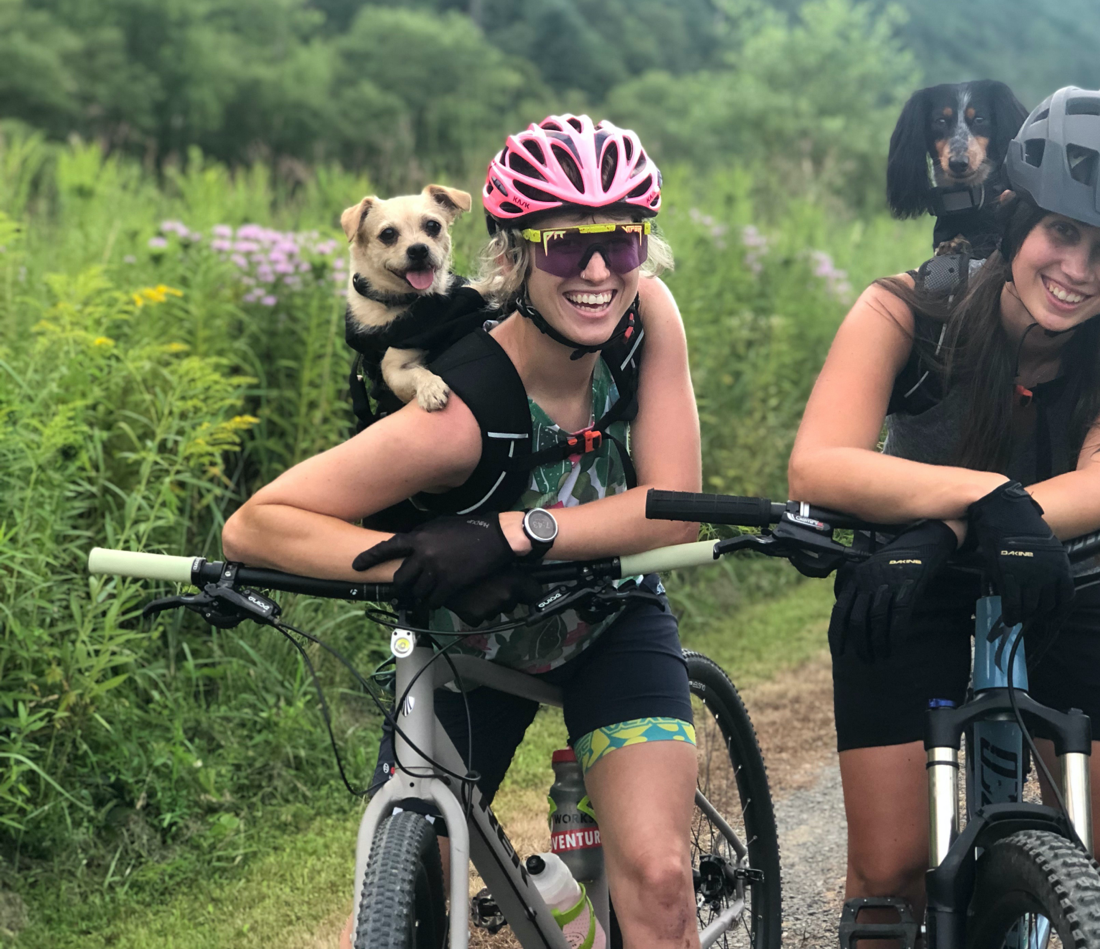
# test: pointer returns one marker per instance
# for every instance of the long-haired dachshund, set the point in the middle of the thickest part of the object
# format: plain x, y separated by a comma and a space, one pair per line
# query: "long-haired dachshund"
960, 130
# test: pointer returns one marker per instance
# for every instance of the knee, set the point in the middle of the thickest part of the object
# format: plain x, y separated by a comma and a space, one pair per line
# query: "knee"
660, 879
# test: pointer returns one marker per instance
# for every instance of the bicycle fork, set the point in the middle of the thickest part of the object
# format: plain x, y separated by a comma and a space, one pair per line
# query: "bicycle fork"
995, 766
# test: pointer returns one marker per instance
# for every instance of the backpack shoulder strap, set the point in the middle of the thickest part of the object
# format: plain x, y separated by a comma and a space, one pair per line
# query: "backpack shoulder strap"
479, 371
918, 386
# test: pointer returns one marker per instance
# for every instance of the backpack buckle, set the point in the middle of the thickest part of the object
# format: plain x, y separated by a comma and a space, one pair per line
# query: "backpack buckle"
592, 440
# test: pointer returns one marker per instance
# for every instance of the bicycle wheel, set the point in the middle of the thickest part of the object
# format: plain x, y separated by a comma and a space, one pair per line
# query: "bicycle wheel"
402, 905
734, 780
1030, 874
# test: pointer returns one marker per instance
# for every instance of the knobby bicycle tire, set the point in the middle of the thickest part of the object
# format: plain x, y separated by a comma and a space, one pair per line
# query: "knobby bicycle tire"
402, 905
1035, 872
734, 779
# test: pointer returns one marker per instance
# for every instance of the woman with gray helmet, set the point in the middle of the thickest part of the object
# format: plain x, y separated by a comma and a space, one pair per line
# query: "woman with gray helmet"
988, 381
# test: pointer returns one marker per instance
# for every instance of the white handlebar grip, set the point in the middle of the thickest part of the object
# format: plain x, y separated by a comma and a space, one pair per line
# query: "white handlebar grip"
132, 563
668, 558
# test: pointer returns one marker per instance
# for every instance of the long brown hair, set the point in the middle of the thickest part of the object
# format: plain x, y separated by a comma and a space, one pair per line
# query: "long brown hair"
977, 355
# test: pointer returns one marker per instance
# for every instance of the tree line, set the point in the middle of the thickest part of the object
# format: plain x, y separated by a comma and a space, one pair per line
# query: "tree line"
405, 89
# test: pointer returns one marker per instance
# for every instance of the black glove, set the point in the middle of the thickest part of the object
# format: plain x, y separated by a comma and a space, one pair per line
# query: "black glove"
500, 593
1026, 562
875, 598
442, 557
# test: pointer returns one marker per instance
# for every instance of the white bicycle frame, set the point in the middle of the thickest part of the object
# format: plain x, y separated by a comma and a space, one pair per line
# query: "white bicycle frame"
480, 837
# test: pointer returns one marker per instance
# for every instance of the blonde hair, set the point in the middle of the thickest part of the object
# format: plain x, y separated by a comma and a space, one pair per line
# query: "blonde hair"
507, 259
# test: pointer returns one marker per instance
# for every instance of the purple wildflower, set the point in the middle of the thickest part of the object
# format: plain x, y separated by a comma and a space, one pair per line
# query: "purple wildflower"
157, 243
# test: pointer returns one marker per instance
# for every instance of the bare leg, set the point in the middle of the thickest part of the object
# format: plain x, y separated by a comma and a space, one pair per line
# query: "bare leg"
886, 803
644, 795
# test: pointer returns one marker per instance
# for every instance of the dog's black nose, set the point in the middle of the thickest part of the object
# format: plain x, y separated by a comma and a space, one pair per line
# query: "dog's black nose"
418, 252
958, 166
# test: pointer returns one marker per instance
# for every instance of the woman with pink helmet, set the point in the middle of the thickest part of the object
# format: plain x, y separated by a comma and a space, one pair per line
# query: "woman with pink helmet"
569, 272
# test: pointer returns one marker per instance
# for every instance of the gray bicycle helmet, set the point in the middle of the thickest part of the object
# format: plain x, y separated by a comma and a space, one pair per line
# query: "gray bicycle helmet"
1055, 157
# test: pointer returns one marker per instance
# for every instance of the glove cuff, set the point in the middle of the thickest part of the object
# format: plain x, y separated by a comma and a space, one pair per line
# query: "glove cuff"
935, 526
1011, 492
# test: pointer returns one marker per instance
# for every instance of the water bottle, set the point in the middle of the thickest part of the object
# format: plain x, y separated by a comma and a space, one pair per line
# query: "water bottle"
567, 900
574, 833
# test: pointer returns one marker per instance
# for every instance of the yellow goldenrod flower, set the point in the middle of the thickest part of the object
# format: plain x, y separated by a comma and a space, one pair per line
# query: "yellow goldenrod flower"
157, 294
103, 341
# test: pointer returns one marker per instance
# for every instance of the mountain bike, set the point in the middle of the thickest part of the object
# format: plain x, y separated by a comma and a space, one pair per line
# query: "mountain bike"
1016, 875
399, 899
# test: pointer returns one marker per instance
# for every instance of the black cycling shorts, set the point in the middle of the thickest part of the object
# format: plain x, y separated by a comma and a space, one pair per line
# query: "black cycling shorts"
634, 669
883, 703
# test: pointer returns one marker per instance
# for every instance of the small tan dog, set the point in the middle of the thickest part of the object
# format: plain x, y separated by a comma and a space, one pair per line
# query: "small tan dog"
400, 251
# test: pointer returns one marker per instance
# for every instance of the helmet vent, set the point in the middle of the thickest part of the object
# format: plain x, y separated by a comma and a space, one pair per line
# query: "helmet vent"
550, 125
536, 151
642, 188
1033, 151
1083, 107
628, 147
568, 166
1045, 114
533, 193
609, 164
524, 167
576, 123
641, 166
510, 208
1082, 163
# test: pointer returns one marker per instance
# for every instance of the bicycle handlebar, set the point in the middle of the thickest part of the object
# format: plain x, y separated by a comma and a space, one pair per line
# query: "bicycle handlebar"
666, 505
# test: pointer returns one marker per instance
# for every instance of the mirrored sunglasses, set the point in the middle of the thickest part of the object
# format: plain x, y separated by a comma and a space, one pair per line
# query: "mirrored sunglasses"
566, 251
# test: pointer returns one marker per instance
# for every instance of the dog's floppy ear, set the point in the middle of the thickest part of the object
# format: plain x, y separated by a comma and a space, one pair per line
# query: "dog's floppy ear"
451, 201
352, 218
1008, 115
907, 184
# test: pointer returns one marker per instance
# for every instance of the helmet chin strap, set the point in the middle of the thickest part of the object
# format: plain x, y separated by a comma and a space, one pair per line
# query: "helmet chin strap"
624, 326
1050, 334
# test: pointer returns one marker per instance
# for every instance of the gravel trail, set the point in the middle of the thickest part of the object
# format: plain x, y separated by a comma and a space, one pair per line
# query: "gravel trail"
793, 717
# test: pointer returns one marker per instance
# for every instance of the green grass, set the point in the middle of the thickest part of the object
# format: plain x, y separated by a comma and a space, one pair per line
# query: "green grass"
297, 882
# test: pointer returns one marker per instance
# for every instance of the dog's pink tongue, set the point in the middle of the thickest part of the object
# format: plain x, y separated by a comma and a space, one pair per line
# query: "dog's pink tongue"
421, 279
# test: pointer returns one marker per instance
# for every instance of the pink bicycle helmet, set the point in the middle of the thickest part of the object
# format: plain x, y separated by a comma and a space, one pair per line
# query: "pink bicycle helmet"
566, 161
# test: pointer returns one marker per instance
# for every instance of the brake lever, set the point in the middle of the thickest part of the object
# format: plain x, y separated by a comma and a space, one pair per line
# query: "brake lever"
221, 604
562, 598
806, 542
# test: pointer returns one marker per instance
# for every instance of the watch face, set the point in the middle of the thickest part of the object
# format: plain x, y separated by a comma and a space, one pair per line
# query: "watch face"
541, 525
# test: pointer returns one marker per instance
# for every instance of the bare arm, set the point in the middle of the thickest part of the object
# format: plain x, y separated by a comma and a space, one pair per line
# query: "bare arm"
301, 521
1071, 501
835, 462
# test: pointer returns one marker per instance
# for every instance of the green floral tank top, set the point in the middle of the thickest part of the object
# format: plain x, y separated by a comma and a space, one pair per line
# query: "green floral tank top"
577, 479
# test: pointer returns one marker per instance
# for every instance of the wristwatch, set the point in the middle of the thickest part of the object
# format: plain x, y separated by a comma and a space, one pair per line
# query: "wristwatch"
541, 529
